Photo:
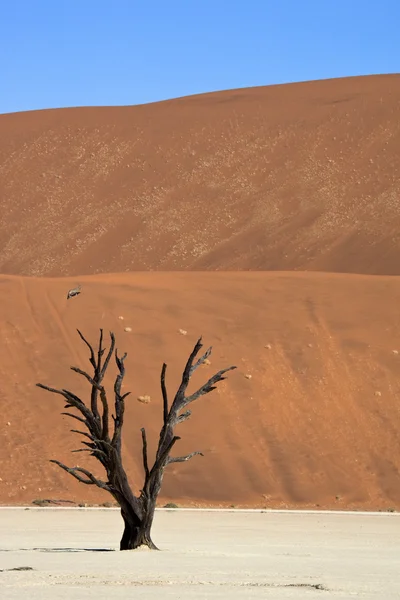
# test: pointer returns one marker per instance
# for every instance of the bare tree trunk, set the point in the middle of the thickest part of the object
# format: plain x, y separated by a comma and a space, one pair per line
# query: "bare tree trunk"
137, 531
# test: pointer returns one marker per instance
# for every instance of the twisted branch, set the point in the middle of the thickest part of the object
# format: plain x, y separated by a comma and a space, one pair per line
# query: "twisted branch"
179, 459
75, 472
100, 445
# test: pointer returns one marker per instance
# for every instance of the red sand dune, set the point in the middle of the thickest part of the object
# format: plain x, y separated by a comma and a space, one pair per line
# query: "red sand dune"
276, 180
317, 424
292, 177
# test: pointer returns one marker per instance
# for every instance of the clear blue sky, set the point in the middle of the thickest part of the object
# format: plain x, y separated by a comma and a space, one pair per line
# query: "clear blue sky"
57, 53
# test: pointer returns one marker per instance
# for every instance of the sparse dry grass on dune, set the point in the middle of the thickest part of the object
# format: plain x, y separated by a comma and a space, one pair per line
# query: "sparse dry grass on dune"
291, 177
316, 424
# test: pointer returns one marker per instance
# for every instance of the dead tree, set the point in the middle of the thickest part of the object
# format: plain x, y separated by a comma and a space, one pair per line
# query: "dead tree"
103, 437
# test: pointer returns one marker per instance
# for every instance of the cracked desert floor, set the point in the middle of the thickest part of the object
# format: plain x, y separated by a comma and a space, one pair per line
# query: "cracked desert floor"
73, 553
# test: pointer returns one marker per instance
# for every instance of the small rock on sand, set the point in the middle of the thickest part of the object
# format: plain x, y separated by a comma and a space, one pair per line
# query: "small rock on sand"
144, 399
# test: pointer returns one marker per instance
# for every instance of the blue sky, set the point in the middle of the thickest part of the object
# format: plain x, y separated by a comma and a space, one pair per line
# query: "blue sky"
56, 53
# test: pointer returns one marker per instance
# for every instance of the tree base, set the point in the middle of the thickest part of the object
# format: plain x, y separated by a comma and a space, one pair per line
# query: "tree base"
136, 531
134, 544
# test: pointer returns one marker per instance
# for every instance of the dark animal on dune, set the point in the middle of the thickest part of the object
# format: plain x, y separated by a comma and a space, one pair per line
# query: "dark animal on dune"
74, 292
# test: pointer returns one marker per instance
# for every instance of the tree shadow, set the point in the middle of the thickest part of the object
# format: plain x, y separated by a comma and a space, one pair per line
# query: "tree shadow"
57, 550
73, 549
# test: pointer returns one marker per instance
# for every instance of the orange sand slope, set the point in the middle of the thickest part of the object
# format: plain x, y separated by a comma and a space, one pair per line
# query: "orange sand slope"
292, 177
317, 424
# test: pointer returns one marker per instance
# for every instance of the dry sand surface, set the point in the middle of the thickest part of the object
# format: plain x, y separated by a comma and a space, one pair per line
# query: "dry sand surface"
200, 191
317, 424
300, 176
72, 554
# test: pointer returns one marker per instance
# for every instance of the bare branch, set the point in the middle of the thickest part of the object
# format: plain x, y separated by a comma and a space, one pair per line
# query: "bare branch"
71, 398
105, 426
95, 381
145, 460
90, 445
201, 360
179, 459
164, 393
88, 377
74, 401
92, 357
119, 399
100, 350
94, 423
53, 390
180, 394
120, 376
180, 401
82, 433
109, 355
207, 387
95, 442
77, 472
74, 417
184, 416
94, 393
93, 451
162, 457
